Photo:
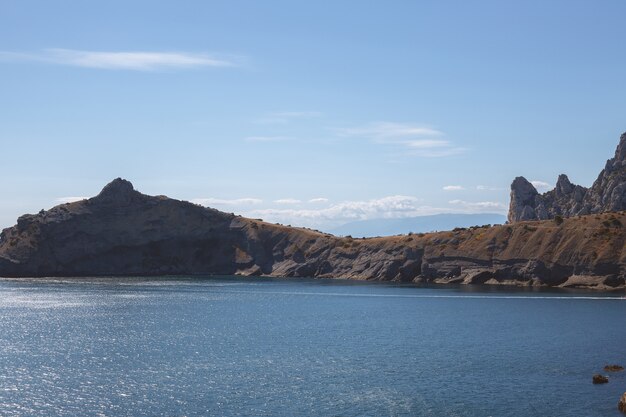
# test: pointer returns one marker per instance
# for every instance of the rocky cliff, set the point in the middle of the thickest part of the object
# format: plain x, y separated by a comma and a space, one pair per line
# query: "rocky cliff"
607, 194
124, 232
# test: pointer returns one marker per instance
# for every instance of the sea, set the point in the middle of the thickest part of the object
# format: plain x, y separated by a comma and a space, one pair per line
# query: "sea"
232, 346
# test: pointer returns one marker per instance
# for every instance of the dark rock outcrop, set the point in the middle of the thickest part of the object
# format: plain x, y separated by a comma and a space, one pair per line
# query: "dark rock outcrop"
613, 368
600, 379
607, 194
124, 232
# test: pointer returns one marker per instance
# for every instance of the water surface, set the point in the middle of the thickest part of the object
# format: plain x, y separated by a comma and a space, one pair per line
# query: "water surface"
259, 347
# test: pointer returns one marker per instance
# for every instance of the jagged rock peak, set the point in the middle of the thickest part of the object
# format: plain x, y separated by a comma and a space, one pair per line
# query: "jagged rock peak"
564, 185
608, 193
117, 190
523, 195
620, 152
117, 186
521, 184
522, 190
619, 160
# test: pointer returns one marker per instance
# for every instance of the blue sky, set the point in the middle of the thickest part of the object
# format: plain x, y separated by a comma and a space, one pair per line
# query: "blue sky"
307, 113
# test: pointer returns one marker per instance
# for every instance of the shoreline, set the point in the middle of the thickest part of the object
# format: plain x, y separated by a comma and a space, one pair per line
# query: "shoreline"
485, 287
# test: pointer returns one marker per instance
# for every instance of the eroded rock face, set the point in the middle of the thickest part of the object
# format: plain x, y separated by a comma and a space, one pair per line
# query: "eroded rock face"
525, 201
607, 194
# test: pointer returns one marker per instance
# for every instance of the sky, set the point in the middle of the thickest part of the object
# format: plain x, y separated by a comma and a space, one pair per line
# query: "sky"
307, 113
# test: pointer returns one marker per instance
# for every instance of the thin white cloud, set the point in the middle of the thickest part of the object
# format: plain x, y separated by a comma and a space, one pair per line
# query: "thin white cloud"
389, 131
396, 206
267, 139
287, 201
120, 60
478, 187
423, 141
70, 199
222, 202
487, 188
480, 206
541, 185
318, 200
385, 207
427, 143
453, 188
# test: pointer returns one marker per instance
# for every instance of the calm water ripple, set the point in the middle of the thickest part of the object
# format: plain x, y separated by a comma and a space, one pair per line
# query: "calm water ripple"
258, 347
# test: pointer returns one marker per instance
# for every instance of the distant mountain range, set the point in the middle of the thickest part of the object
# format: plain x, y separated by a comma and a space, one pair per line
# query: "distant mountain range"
423, 224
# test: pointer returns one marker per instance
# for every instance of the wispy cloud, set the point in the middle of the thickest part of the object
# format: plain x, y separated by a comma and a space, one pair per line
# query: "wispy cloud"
385, 207
479, 206
120, 60
453, 188
427, 143
284, 117
541, 185
327, 216
424, 141
222, 202
267, 139
478, 188
63, 200
487, 188
389, 131
287, 201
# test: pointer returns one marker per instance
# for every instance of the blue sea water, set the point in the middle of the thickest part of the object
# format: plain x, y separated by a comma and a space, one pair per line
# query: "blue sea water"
230, 346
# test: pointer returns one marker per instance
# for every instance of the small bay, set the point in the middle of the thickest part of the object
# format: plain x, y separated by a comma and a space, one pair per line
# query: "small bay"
192, 346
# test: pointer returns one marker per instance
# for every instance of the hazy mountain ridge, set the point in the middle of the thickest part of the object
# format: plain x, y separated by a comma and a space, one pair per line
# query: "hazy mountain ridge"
418, 224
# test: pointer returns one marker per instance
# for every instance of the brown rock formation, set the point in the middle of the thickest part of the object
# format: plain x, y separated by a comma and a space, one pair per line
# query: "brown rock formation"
124, 232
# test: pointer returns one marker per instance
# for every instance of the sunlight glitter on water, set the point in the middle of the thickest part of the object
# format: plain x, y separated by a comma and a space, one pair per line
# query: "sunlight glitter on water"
233, 346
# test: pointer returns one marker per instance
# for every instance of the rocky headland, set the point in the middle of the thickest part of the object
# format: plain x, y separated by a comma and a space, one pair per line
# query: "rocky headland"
124, 232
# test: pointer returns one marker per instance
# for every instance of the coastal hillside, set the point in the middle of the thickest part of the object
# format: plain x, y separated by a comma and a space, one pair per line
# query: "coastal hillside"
608, 193
124, 232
